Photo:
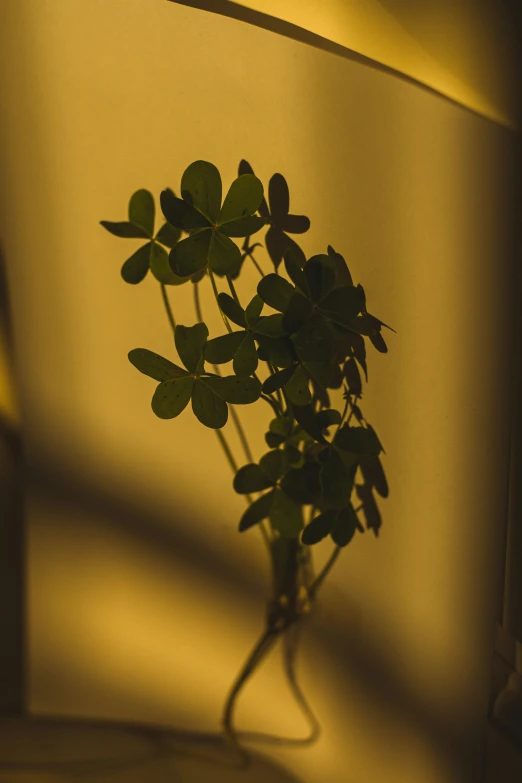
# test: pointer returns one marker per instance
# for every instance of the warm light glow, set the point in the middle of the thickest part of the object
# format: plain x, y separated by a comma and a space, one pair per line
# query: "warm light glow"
143, 598
466, 59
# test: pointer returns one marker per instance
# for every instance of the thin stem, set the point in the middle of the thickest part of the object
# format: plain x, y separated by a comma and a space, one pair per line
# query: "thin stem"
272, 403
233, 289
166, 302
343, 416
278, 391
324, 573
216, 294
257, 266
352, 404
260, 650
226, 449
290, 642
241, 433
197, 303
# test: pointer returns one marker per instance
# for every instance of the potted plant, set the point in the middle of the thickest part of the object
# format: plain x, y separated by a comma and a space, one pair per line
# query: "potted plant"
296, 344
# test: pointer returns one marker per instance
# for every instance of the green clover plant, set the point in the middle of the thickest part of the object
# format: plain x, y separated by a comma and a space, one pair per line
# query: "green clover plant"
322, 473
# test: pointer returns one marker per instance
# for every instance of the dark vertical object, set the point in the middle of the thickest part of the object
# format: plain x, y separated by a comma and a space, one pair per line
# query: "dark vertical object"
12, 547
512, 614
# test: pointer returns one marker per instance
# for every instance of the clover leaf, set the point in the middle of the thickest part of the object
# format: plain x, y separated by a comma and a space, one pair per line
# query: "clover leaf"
283, 512
178, 385
277, 215
152, 255
210, 223
341, 524
240, 346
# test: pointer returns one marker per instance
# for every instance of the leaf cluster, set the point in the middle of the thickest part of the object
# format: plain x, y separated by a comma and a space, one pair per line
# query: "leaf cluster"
312, 341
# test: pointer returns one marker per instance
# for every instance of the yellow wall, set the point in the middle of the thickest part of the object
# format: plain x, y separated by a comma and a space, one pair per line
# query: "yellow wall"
143, 597
464, 49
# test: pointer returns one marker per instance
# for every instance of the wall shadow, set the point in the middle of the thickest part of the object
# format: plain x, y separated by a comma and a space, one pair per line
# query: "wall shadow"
377, 678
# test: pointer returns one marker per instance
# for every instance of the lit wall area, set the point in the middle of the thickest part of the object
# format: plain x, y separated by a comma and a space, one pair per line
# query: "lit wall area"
143, 598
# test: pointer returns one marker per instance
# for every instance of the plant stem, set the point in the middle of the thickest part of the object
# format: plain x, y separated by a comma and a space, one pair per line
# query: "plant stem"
278, 391
257, 266
233, 289
237, 423
226, 449
216, 294
272, 403
324, 573
197, 303
166, 302
260, 650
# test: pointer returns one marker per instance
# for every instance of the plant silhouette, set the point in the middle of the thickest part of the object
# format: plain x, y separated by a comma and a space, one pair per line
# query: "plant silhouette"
322, 468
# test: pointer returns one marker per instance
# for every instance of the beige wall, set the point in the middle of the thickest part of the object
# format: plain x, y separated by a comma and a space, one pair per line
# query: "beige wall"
143, 597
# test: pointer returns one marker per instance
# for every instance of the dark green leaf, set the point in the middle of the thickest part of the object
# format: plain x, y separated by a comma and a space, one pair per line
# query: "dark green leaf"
124, 229
172, 397
273, 440
327, 374
270, 325
295, 271
245, 360
243, 198
295, 486
275, 291
208, 407
273, 465
232, 309
181, 214
362, 325
238, 391
353, 377
315, 342
327, 418
320, 276
358, 440
223, 349
201, 187
250, 478
335, 481
374, 476
191, 254
306, 418
342, 304
378, 342
141, 210
136, 267
318, 528
344, 526
297, 313
278, 196
293, 454
190, 341
224, 257
370, 508
343, 276
154, 365
244, 227
256, 512
253, 310
285, 515
278, 380
295, 224
168, 235
277, 350
282, 425
358, 346
160, 266
297, 388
